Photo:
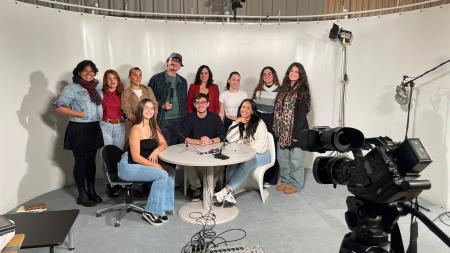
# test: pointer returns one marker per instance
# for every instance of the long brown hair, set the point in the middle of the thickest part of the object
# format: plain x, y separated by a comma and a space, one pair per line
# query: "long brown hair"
154, 129
301, 86
119, 87
259, 86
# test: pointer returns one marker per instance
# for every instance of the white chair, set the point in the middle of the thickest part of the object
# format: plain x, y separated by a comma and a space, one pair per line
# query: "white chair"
255, 179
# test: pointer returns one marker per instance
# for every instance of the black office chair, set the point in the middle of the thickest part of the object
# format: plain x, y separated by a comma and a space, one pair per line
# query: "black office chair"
111, 156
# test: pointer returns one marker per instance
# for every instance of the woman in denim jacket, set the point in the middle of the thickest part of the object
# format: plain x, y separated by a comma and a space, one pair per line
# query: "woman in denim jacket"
82, 102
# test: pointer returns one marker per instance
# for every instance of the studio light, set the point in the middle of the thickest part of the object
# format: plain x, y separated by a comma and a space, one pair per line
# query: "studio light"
337, 33
236, 4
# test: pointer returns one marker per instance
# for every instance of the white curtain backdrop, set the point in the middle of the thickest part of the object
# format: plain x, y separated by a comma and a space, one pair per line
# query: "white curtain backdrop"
39, 47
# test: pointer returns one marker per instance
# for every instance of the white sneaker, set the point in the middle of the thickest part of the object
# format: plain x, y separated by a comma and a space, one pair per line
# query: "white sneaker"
218, 197
229, 200
266, 185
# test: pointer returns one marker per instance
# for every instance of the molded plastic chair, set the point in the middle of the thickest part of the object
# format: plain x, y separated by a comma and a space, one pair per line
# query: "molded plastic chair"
255, 179
111, 156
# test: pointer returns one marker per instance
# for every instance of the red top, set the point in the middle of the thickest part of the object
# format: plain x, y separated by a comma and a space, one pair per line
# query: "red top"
111, 105
213, 97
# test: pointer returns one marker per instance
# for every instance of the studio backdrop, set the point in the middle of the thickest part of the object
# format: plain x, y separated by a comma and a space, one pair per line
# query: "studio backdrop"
39, 47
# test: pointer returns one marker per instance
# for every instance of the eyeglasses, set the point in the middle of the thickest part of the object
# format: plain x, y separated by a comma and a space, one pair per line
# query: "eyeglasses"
201, 102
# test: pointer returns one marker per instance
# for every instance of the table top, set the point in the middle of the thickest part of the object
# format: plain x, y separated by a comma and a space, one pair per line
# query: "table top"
180, 155
44, 229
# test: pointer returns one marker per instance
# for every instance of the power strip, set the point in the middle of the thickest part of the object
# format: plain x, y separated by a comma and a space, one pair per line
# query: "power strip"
237, 249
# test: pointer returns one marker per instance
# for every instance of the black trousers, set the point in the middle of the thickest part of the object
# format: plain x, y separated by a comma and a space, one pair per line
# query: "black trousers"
172, 131
84, 168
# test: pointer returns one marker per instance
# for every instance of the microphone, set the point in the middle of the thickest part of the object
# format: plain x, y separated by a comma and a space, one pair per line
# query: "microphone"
219, 155
171, 95
402, 93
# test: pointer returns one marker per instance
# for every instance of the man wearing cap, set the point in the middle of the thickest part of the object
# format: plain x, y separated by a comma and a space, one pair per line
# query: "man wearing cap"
170, 90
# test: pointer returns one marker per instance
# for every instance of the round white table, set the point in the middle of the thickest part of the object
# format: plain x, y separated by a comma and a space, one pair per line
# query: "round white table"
190, 156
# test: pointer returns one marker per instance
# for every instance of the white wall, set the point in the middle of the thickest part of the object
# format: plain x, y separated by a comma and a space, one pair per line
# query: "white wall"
39, 47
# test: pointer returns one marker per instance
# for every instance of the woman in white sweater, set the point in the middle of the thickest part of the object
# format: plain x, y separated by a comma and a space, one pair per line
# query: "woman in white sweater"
252, 131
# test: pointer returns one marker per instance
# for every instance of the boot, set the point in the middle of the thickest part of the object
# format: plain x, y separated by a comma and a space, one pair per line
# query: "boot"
92, 194
83, 198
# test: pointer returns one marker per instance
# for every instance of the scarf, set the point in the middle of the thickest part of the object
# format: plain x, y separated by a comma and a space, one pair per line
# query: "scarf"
90, 87
283, 121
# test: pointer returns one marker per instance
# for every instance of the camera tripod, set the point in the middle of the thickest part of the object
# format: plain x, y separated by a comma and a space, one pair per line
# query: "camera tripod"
372, 223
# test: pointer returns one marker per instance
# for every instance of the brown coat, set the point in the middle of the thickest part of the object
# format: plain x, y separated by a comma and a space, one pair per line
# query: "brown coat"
130, 101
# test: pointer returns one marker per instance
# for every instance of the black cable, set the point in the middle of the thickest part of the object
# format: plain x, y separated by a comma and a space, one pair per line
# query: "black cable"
440, 216
409, 108
206, 237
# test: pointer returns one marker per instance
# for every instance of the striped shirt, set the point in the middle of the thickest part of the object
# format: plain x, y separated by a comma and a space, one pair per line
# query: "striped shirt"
265, 99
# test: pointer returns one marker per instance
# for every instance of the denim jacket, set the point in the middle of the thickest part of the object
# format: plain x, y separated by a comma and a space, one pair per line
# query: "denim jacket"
75, 97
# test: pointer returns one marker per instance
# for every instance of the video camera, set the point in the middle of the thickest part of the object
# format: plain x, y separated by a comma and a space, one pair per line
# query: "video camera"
387, 173
384, 182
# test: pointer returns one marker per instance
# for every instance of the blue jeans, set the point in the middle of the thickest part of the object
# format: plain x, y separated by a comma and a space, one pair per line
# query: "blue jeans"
237, 173
161, 197
113, 134
292, 170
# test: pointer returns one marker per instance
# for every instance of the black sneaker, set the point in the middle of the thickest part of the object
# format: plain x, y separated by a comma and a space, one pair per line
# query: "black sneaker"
152, 218
164, 218
196, 195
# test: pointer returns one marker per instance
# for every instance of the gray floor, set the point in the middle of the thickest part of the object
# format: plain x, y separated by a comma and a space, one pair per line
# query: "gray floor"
310, 221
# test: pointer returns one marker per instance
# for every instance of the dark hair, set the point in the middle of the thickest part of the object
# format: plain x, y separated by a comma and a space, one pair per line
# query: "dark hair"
133, 69
154, 129
210, 77
301, 86
201, 95
82, 65
259, 86
231, 74
119, 87
252, 123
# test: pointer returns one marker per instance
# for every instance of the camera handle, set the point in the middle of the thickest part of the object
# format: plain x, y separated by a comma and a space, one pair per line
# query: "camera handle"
372, 223
424, 219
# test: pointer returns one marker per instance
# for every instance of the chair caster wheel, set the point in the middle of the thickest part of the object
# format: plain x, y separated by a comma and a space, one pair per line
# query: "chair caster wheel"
116, 224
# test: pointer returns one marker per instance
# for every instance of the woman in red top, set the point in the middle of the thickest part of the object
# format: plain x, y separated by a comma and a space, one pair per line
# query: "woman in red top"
203, 84
113, 124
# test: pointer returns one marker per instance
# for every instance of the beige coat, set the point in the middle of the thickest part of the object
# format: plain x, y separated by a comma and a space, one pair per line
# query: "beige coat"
130, 101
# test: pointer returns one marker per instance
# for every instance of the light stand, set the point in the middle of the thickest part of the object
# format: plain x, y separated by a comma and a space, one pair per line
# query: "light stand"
411, 85
344, 37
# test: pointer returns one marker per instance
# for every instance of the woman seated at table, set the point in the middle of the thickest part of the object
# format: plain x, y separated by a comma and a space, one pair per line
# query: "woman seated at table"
141, 164
250, 130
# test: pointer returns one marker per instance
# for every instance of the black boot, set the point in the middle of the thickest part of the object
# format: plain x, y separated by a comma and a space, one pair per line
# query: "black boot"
92, 194
83, 198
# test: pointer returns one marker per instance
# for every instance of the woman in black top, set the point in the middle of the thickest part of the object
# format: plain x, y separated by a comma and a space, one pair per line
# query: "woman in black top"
141, 164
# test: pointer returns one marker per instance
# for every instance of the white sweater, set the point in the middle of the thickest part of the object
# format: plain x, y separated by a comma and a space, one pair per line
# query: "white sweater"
260, 142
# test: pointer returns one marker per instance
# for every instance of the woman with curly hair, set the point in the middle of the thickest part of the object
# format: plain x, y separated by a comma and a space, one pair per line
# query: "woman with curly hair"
292, 104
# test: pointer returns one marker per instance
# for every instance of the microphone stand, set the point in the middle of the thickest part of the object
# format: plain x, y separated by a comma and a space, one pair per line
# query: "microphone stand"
219, 154
411, 85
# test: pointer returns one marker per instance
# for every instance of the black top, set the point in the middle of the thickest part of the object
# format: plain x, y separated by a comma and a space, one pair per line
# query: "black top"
147, 147
300, 122
211, 126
